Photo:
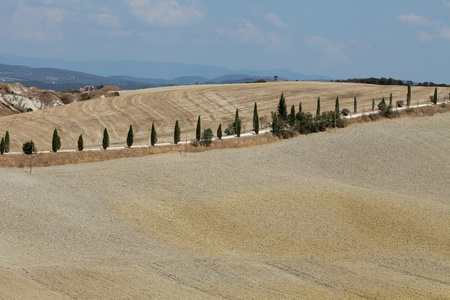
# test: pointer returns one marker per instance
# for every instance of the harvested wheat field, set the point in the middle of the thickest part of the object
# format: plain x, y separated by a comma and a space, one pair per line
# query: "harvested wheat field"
216, 104
361, 213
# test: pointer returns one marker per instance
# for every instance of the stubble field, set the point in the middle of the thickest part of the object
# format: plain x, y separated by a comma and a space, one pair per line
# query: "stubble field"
216, 104
361, 213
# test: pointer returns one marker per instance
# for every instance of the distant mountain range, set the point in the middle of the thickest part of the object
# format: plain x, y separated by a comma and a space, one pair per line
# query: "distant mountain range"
128, 74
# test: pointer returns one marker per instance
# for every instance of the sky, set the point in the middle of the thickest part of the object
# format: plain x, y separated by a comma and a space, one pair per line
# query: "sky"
402, 39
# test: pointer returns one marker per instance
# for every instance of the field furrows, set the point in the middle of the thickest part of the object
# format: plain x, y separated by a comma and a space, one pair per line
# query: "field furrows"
215, 104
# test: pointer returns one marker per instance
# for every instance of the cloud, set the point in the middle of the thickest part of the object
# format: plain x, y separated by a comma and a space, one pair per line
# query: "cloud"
37, 23
106, 19
244, 34
424, 36
413, 19
275, 20
445, 32
334, 51
164, 12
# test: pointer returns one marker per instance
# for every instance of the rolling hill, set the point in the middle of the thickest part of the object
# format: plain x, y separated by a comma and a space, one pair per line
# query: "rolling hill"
216, 104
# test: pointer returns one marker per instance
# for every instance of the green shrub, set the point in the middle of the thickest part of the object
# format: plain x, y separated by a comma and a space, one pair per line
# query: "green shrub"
29, 148
230, 129
345, 112
206, 137
399, 103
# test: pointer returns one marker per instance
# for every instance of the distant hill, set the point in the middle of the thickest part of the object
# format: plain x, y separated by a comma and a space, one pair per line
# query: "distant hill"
131, 74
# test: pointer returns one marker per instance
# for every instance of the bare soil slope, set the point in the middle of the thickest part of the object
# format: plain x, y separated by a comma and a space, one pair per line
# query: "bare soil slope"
361, 213
216, 104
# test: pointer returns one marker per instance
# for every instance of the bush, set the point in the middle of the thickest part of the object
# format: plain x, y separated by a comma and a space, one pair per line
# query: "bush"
230, 129
400, 103
206, 137
345, 111
29, 148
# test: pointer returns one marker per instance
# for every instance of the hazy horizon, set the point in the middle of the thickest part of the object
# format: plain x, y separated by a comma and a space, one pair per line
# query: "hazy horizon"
403, 39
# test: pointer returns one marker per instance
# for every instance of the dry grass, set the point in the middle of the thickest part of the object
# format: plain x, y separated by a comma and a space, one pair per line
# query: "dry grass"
66, 158
215, 104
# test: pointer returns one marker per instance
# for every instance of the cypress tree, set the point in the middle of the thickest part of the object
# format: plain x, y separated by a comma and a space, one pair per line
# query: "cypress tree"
55, 141
153, 136
237, 123
7, 142
292, 116
80, 143
219, 132
408, 96
435, 96
355, 106
390, 100
176, 133
2, 146
382, 104
373, 105
130, 137
105, 142
59, 142
199, 130
282, 108
336, 106
318, 107
300, 108
255, 119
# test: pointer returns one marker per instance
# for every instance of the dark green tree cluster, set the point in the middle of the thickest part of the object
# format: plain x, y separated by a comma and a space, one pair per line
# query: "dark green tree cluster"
206, 137
29, 148
304, 122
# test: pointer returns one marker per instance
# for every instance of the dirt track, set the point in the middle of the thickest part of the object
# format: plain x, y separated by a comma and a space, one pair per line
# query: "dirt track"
360, 213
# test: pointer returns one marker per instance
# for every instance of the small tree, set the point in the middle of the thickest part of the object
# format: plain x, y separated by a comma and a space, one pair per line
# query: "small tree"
59, 142
2, 146
105, 142
276, 127
130, 137
206, 137
199, 128
255, 119
80, 143
318, 107
300, 108
382, 105
408, 96
373, 105
29, 148
435, 96
282, 108
237, 123
219, 132
176, 133
153, 136
7, 142
292, 116
390, 100
355, 105
336, 106
55, 140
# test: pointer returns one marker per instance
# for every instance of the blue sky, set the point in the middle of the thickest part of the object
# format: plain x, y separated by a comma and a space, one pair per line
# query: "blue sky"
404, 39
